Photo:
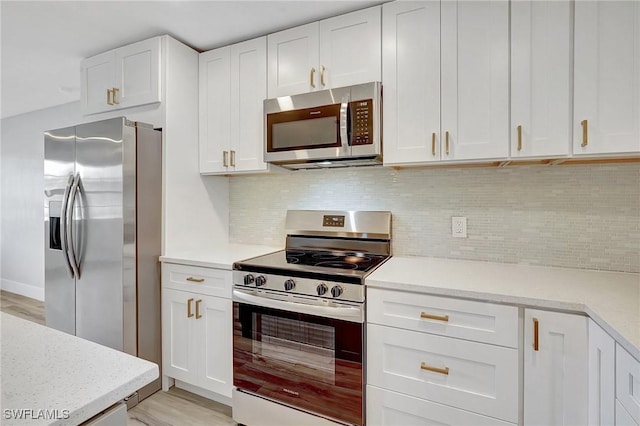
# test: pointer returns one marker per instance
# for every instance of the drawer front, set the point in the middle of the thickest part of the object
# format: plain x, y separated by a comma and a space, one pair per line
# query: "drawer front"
628, 382
472, 376
464, 319
622, 417
213, 282
387, 408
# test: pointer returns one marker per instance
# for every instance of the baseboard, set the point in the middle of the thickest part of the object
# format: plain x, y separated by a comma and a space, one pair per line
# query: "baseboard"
204, 393
22, 289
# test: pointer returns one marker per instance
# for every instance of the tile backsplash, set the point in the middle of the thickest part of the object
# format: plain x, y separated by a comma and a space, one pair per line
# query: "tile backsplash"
577, 216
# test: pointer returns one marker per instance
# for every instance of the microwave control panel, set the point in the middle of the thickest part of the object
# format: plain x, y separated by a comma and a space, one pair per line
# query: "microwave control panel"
362, 120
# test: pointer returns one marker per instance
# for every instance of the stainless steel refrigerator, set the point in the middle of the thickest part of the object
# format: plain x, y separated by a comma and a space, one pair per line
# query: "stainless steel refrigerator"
102, 225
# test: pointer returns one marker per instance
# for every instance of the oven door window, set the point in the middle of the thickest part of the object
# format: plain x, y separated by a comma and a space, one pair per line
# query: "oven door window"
310, 362
308, 128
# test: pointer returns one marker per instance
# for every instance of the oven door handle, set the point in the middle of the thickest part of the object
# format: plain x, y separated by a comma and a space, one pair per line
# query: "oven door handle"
340, 312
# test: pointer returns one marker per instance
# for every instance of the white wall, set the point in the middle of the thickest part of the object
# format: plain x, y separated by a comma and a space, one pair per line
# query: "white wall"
22, 217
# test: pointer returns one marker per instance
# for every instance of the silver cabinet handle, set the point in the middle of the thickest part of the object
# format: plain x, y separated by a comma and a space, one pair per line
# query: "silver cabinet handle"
344, 110
64, 226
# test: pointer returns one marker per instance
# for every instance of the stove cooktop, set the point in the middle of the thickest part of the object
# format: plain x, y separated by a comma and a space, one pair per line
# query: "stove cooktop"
346, 266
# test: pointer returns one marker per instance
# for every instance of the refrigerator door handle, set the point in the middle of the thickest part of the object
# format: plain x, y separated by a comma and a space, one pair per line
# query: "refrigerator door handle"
64, 225
69, 219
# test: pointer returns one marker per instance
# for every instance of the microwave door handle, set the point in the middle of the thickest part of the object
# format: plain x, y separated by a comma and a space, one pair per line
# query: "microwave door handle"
344, 134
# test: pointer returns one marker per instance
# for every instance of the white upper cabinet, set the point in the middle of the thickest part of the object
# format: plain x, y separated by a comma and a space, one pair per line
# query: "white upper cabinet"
233, 85
411, 82
445, 81
335, 52
475, 79
606, 77
541, 119
122, 78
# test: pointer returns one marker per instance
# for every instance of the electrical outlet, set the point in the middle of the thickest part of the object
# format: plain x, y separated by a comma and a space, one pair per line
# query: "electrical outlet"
458, 227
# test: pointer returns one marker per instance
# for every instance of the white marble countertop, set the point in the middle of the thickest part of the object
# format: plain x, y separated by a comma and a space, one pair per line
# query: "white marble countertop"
612, 299
221, 256
74, 379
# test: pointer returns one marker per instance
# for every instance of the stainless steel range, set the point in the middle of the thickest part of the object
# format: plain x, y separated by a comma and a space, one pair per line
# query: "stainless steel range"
298, 344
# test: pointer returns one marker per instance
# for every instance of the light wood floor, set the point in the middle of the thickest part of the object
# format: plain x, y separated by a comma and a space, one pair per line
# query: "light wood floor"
174, 408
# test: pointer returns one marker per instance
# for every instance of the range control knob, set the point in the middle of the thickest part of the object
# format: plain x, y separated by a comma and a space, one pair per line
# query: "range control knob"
289, 284
336, 291
260, 281
248, 279
322, 289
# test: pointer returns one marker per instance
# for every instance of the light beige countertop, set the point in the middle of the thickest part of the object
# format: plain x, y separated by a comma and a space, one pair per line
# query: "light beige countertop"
221, 256
612, 299
51, 377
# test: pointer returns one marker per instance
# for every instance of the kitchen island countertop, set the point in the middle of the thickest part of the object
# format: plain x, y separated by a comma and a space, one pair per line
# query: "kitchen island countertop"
611, 299
51, 377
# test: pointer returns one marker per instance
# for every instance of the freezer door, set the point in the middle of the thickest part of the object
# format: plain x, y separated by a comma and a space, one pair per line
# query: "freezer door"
60, 286
103, 233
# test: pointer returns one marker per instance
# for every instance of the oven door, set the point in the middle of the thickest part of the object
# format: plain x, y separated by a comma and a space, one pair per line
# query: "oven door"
309, 362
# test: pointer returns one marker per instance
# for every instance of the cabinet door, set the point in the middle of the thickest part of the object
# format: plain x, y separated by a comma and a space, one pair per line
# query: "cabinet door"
602, 364
555, 375
541, 119
628, 382
179, 343
97, 76
607, 77
248, 91
293, 61
215, 117
475, 79
350, 51
138, 73
215, 331
411, 71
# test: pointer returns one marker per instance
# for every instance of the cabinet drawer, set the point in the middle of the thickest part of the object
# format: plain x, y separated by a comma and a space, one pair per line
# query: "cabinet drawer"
385, 407
464, 319
628, 382
214, 282
473, 376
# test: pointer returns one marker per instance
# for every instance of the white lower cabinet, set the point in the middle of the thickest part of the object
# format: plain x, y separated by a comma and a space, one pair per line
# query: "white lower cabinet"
602, 367
197, 335
627, 388
385, 407
555, 367
420, 372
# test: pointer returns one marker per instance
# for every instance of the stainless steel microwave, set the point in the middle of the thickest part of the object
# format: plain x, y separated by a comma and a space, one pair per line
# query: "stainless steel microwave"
329, 128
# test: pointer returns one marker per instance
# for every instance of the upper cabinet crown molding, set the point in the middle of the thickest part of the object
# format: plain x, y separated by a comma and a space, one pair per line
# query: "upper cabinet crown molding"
334, 52
122, 78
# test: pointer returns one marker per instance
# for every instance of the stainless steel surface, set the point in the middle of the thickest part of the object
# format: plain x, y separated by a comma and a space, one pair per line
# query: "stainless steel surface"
303, 286
353, 312
352, 155
99, 292
64, 227
357, 224
113, 212
60, 287
344, 135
